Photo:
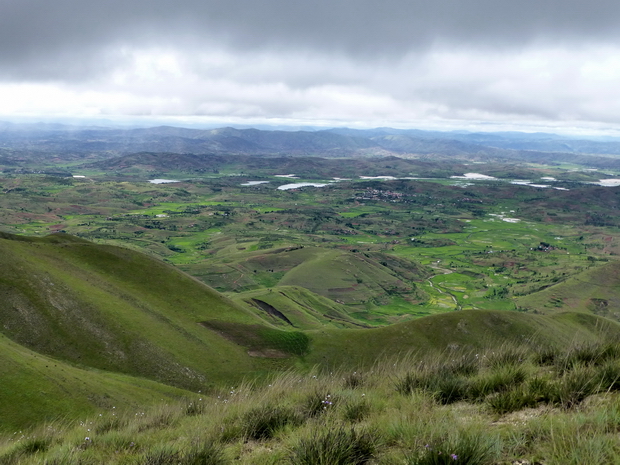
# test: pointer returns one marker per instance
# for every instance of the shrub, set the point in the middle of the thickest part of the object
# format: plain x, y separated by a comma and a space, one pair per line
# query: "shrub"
335, 447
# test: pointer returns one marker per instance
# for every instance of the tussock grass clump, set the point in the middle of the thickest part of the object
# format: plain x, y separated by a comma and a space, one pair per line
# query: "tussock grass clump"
110, 423
340, 446
206, 453
26, 448
446, 388
466, 364
195, 408
587, 354
511, 401
356, 411
545, 356
465, 449
574, 386
500, 379
162, 457
265, 421
505, 356
163, 417
319, 402
353, 380
609, 376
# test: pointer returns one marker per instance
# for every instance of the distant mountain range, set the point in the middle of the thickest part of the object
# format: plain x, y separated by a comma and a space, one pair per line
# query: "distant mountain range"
62, 140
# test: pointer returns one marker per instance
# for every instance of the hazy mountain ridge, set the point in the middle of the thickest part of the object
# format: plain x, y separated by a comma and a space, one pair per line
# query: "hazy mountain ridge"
308, 167
340, 142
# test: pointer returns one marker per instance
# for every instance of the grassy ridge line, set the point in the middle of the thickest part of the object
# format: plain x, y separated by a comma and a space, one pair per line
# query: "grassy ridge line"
468, 329
343, 276
350, 282
302, 308
594, 291
119, 310
36, 389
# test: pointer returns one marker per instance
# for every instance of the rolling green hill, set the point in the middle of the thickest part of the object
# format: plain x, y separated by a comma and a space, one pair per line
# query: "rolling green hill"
349, 282
595, 290
457, 331
118, 310
297, 307
104, 325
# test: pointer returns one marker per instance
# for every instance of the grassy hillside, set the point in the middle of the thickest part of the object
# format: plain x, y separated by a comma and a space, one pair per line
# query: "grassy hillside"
117, 310
296, 307
460, 330
595, 290
350, 286
70, 306
36, 389
511, 404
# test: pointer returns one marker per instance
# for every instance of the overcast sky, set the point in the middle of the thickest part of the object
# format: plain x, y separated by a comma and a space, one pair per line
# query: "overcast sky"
403, 63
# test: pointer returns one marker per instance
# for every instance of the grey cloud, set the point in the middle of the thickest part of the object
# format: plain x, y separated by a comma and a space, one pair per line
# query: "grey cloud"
41, 38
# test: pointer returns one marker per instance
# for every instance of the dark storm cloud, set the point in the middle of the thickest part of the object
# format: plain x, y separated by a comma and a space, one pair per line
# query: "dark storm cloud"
52, 39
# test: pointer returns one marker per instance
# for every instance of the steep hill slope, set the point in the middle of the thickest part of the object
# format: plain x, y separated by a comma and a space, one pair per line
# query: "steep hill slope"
118, 310
37, 388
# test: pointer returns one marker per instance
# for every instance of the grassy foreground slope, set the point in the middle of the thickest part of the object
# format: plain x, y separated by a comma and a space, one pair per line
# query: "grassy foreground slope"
117, 310
503, 406
36, 388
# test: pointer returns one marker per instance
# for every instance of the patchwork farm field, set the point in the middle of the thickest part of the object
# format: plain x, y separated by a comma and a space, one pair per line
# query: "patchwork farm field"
375, 251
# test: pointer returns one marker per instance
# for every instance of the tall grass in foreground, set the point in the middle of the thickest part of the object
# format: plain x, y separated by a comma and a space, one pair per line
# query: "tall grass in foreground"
497, 407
